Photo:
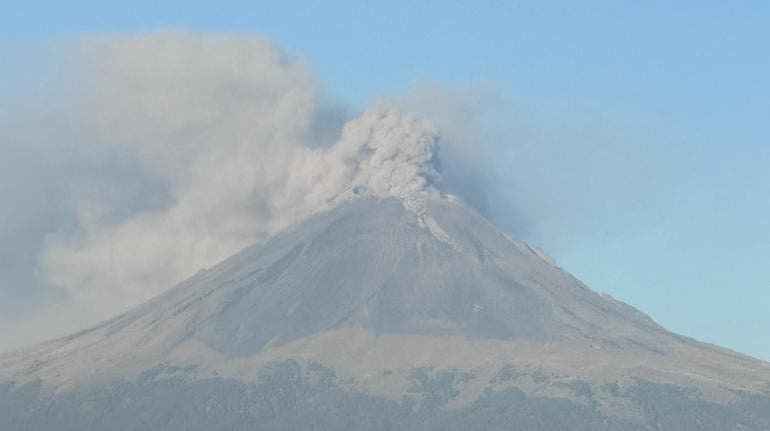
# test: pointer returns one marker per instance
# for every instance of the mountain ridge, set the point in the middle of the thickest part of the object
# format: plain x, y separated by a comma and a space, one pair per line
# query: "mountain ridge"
373, 290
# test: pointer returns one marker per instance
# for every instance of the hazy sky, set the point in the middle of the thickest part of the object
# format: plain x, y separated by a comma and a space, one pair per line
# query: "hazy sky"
631, 141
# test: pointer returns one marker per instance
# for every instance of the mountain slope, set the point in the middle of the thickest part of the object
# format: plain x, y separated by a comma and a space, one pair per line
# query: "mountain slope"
383, 313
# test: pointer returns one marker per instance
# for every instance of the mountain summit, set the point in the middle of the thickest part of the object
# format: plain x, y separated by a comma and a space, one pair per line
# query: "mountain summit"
386, 311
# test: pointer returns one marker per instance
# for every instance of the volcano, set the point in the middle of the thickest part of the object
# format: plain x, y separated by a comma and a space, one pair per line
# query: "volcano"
383, 313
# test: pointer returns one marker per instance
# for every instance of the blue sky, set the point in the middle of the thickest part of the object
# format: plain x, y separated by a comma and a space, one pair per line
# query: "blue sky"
649, 120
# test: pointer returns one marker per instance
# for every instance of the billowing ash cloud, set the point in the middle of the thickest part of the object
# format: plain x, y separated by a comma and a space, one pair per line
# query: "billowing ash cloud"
237, 133
159, 154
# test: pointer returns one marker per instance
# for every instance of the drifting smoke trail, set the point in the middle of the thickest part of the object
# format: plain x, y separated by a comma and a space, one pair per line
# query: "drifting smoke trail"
229, 125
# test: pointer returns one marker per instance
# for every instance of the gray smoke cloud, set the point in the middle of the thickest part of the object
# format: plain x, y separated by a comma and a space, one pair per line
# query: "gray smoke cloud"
230, 132
162, 153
